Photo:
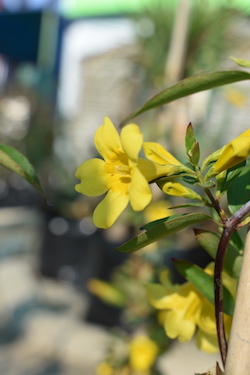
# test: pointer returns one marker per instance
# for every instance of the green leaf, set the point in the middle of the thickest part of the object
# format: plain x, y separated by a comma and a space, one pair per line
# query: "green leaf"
209, 241
192, 146
18, 163
224, 183
161, 230
154, 223
190, 86
241, 62
239, 191
204, 283
194, 154
200, 204
190, 137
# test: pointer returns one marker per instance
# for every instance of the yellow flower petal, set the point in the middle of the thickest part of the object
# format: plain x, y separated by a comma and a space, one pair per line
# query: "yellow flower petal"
142, 353
176, 326
131, 140
172, 187
109, 209
234, 153
157, 210
107, 140
206, 320
207, 342
160, 297
93, 178
140, 193
156, 153
151, 170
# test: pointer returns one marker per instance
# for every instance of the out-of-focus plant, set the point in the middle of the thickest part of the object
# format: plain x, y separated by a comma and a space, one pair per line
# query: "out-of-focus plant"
207, 42
205, 303
134, 346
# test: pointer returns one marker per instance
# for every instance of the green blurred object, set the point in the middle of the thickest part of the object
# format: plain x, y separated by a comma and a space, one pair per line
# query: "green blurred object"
77, 8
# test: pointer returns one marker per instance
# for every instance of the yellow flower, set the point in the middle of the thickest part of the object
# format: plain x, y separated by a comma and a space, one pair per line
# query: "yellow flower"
106, 292
104, 368
234, 153
172, 187
156, 153
157, 210
142, 353
122, 174
185, 311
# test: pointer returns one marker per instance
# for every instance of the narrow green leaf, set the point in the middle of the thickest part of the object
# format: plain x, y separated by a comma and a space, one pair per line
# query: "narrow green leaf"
190, 86
18, 163
239, 191
209, 241
194, 153
204, 283
241, 62
200, 204
190, 137
161, 230
154, 223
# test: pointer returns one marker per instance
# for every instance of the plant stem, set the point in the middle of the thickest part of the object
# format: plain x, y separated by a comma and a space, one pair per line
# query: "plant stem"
214, 202
216, 205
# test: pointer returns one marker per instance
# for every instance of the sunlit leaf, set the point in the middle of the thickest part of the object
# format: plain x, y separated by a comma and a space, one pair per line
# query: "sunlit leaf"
18, 163
190, 86
204, 283
161, 230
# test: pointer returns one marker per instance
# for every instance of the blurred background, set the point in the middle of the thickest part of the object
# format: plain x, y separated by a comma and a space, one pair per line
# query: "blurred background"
64, 65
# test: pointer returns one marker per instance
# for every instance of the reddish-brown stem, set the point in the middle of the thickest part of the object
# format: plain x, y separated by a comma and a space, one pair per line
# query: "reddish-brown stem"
216, 206
230, 226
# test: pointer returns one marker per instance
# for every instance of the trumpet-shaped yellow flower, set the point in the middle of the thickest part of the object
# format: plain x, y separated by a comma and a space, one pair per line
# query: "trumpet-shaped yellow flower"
157, 154
185, 311
234, 153
172, 187
142, 353
122, 174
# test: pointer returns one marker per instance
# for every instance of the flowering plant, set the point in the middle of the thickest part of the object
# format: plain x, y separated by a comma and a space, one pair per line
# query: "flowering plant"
204, 305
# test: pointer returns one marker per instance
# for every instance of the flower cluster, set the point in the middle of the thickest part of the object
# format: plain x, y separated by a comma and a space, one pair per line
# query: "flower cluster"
125, 176
185, 312
134, 356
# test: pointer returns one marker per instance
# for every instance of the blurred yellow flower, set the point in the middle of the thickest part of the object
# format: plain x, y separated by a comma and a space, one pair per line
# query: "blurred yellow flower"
157, 210
122, 174
233, 153
185, 311
104, 368
106, 292
142, 353
235, 97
